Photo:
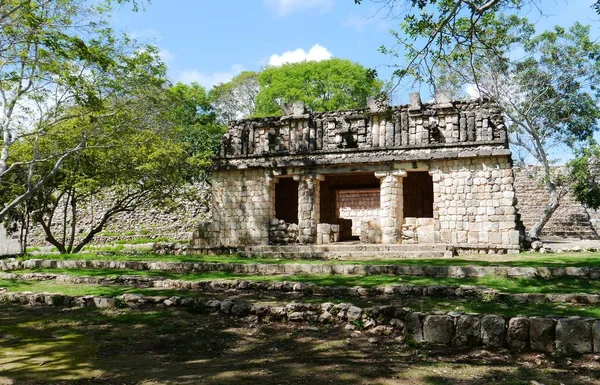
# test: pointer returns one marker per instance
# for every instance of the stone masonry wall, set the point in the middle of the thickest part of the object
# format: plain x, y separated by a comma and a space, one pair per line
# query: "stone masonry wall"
414, 125
570, 220
175, 220
359, 206
241, 206
475, 202
9, 245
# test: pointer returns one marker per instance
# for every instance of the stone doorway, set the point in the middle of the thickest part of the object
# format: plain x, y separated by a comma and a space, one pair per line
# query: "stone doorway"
348, 200
286, 200
418, 195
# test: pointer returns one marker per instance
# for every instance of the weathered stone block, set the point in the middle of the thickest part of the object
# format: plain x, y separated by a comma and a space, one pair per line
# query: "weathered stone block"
438, 329
413, 331
541, 334
493, 331
468, 331
574, 335
596, 336
517, 335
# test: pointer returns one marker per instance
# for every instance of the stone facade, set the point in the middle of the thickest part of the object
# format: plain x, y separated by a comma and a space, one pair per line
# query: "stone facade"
442, 172
570, 220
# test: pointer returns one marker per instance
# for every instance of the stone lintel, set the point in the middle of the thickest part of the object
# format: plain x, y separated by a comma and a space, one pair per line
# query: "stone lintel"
319, 177
383, 174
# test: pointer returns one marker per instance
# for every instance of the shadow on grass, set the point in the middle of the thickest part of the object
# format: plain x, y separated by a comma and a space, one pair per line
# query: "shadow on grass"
84, 346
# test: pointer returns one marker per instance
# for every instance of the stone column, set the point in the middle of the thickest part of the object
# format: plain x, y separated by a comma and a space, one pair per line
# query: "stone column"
391, 211
308, 206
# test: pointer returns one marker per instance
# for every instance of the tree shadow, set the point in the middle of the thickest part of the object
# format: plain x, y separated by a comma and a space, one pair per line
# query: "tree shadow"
91, 346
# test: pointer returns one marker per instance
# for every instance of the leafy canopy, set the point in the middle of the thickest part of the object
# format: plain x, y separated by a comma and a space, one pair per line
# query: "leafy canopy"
326, 85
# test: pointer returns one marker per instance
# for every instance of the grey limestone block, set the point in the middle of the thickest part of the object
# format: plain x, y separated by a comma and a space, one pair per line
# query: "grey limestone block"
438, 329
517, 335
541, 334
574, 335
468, 331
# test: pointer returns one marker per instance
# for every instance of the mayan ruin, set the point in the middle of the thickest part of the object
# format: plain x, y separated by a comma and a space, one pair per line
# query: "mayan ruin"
435, 173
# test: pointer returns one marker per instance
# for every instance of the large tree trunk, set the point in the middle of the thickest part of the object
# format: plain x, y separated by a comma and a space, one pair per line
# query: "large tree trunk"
553, 204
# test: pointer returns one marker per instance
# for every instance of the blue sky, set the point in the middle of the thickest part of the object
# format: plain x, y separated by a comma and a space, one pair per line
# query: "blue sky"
210, 41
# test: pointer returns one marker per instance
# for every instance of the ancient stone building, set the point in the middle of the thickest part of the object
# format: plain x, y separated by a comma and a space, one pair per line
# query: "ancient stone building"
437, 173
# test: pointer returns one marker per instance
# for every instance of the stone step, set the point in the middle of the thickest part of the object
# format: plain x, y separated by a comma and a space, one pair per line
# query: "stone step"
339, 247
352, 255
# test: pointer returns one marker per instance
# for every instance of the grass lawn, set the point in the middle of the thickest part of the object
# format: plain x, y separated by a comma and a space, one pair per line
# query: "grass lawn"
508, 285
91, 346
422, 304
583, 259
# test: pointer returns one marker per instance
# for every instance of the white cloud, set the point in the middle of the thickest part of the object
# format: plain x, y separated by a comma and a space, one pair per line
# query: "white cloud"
166, 56
316, 53
209, 80
286, 7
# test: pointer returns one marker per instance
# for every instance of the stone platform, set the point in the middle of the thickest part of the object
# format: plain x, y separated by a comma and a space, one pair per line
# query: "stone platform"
354, 250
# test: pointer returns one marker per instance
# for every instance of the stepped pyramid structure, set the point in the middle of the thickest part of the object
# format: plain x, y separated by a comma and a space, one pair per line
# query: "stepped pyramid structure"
571, 219
436, 174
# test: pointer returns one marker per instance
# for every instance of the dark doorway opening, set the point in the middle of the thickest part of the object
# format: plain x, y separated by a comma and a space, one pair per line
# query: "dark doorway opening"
286, 200
418, 195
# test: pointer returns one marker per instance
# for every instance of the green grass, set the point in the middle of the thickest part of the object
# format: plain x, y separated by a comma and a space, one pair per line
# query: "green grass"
79, 290
421, 304
141, 240
520, 260
507, 285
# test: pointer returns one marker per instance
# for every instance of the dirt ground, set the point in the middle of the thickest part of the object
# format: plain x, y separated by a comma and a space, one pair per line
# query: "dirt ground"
90, 346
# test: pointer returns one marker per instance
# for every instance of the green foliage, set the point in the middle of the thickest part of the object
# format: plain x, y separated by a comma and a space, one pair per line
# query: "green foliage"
585, 171
549, 96
200, 131
235, 99
557, 85
326, 85
61, 65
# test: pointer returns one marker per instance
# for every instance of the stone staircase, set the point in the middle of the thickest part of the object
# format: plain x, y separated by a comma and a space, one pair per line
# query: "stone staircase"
352, 250
571, 219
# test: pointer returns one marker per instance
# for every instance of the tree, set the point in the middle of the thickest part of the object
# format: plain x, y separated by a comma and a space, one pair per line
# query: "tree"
326, 85
135, 161
237, 98
59, 62
432, 32
549, 98
585, 171
201, 131
147, 151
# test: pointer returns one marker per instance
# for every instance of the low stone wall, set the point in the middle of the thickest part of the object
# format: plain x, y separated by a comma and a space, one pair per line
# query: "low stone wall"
282, 233
407, 290
170, 248
327, 233
319, 269
175, 220
568, 335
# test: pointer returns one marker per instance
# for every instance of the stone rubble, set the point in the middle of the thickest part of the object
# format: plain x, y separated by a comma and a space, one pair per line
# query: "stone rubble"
397, 290
571, 335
